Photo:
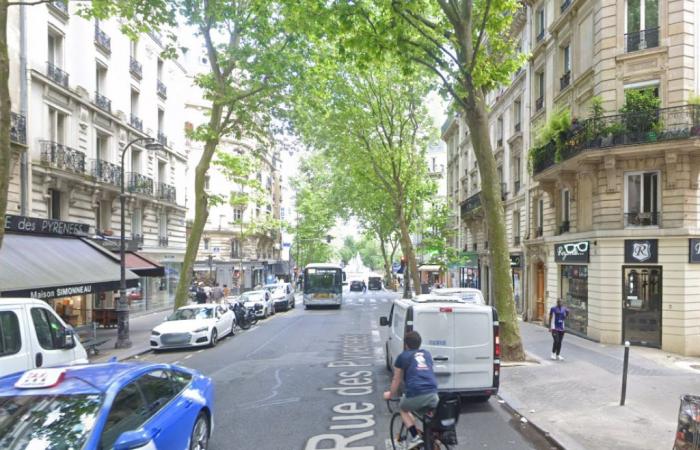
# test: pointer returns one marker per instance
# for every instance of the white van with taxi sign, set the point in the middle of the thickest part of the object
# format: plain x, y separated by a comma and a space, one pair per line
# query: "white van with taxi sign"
32, 335
462, 337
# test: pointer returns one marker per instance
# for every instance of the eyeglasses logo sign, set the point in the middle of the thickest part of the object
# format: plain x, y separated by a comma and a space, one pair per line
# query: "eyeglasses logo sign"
572, 251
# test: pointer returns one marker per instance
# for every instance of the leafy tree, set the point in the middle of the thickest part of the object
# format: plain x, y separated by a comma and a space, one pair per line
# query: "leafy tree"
348, 250
436, 236
137, 17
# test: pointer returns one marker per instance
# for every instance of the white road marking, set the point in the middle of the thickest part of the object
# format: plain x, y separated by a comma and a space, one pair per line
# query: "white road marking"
188, 356
371, 300
177, 361
362, 300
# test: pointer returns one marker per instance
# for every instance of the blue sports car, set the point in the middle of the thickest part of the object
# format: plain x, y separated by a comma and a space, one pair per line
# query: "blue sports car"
107, 406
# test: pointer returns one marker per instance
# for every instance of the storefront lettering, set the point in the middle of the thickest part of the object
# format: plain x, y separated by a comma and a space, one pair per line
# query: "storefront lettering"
61, 292
45, 226
572, 251
694, 251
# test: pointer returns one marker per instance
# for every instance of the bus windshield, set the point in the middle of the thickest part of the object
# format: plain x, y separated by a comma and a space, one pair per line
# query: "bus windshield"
322, 280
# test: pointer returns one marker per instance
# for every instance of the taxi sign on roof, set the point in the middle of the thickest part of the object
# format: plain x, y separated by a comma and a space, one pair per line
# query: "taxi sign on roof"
39, 378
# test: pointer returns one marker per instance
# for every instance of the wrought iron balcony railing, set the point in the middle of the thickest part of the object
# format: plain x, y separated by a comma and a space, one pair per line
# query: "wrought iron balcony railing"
18, 128
471, 203
103, 102
139, 184
166, 192
62, 157
162, 139
102, 41
106, 172
633, 128
163, 241
565, 80
642, 219
56, 74
564, 227
565, 4
539, 103
156, 37
162, 90
61, 6
135, 122
135, 68
640, 40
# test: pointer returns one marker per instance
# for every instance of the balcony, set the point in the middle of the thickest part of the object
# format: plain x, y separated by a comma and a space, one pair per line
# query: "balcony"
470, 204
166, 192
564, 227
641, 40
135, 122
106, 172
564, 5
539, 104
56, 75
644, 127
162, 139
162, 90
102, 41
139, 184
516, 240
642, 219
60, 6
18, 128
163, 241
565, 80
135, 68
62, 157
103, 102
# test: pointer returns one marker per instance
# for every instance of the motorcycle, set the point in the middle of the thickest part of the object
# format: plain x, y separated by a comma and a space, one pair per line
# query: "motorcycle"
245, 317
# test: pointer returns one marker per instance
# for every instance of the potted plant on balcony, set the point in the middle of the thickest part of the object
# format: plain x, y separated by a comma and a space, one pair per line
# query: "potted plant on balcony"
641, 115
594, 128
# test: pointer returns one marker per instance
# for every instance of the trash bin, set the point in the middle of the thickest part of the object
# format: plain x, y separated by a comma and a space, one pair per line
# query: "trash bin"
688, 431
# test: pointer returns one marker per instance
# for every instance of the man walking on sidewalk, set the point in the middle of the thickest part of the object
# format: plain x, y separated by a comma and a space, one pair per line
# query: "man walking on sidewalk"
559, 313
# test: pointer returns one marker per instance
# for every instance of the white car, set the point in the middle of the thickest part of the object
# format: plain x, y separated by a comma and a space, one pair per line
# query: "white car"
282, 295
260, 301
469, 295
193, 326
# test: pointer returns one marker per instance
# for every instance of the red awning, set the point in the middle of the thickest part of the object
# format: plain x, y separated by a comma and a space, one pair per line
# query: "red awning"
143, 266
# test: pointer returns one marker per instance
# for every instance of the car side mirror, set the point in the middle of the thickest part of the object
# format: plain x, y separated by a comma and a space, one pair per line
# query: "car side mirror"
383, 321
68, 339
130, 440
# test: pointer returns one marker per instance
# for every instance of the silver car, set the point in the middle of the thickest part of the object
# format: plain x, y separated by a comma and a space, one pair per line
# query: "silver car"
282, 295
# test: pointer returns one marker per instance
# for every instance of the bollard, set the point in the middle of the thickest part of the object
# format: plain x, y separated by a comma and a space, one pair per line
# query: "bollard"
624, 373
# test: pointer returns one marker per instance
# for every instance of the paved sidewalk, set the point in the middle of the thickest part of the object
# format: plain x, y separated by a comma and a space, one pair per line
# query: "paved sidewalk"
577, 400
139, 332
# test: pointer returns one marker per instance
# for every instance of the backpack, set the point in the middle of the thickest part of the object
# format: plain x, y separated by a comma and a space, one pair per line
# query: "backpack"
446, 416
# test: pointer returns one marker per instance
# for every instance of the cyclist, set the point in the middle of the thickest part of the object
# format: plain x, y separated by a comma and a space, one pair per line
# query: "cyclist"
414, 366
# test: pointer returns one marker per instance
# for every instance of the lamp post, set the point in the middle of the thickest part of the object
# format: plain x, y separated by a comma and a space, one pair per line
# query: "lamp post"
122, 304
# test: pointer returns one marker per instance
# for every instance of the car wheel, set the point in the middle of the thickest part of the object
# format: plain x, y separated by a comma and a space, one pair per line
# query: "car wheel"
214, 338
233, 328
200, 433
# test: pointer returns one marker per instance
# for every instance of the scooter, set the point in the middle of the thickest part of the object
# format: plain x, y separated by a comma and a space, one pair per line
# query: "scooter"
245, 317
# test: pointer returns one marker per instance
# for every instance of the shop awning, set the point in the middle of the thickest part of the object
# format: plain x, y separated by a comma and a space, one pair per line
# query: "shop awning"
143, 266
429, 268
52, 267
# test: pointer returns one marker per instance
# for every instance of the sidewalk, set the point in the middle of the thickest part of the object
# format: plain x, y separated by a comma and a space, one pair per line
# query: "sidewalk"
577, 400
139, 332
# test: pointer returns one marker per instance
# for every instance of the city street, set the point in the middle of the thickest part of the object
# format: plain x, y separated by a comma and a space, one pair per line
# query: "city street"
280, 385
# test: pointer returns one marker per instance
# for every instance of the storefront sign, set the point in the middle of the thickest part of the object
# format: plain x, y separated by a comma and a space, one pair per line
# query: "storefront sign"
572, 252
45, 226
515, 260
68, 291
694, 251
641, 251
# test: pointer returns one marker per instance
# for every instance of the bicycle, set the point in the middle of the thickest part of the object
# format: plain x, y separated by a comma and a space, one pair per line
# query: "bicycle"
440, 423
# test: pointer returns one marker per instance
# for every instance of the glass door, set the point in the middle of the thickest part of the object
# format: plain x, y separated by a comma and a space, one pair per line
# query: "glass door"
641, 305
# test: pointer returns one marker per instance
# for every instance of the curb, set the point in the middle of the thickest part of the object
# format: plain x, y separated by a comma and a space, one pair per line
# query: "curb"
546, 434
125, 357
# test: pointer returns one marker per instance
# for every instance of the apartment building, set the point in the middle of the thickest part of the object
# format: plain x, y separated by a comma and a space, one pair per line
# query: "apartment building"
509, 140
234, 251
615, 199
82, 92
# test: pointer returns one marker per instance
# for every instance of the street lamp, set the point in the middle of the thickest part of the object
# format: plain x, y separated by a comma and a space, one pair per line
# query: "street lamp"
122, 304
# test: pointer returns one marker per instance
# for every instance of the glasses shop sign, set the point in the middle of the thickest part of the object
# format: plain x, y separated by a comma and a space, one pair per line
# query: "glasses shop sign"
574, 252
641, 251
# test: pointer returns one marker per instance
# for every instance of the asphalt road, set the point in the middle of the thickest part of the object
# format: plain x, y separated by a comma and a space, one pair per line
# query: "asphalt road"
313, 379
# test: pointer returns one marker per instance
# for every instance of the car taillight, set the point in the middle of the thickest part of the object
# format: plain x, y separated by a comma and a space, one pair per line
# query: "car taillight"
497, 344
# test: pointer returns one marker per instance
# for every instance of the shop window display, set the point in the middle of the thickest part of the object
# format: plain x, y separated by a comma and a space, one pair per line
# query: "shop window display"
574, 292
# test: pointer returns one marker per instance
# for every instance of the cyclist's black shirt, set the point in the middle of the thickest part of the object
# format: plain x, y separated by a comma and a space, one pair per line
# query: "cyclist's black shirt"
418, 376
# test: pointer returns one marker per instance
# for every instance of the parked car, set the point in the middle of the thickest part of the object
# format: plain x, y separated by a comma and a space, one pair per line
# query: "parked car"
106, 406
134, 294
356, 286
260, 297
33, 335
193, 326
282, 295
470, 295
462, 337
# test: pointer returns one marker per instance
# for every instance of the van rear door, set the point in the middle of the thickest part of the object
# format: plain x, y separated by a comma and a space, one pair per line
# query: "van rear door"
436, 326
473, 361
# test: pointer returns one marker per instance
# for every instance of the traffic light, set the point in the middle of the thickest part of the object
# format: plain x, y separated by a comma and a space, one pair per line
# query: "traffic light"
329, 238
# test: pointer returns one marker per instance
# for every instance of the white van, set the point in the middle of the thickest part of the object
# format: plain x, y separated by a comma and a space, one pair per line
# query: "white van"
461, 336
33, 335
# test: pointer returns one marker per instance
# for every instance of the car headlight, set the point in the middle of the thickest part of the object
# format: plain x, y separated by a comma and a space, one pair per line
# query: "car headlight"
155, 333
201, 329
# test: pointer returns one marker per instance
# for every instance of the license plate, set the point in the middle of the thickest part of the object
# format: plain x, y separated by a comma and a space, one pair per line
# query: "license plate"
323, 295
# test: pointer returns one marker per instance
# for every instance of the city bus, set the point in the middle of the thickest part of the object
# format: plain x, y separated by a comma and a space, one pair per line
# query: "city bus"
323, 285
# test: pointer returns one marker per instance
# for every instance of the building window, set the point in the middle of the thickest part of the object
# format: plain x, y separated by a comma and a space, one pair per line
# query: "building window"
499, 132
136, 222
102, 147
642, 25
565, 210
540, 218
235, 248
237, 214
104, 216
163, 227
642, 199
54, 204
134, 103
517, 111
161, 121
539, 102
516, 175
516, 228
100, 78
135, 161
540, 23
57, 126
206, 243
55, 49
133, 49
160, 69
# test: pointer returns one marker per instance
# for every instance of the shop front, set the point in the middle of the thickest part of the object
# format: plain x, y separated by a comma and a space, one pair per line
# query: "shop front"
642, 293
469, 272
516, 269
430, 275
572, 259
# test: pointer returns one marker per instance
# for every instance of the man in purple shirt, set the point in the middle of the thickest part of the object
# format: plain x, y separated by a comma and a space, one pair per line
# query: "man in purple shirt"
557, 316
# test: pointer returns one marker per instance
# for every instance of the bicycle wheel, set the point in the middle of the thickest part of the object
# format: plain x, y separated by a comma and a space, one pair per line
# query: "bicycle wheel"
397, 432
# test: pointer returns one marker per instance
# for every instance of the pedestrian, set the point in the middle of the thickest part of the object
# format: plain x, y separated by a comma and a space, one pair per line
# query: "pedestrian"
414, 367
364, 286
216, 293
559, 313
200, 296
227, 291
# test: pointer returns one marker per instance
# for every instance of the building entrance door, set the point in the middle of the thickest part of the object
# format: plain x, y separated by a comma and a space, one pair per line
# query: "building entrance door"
641, 305
540, 291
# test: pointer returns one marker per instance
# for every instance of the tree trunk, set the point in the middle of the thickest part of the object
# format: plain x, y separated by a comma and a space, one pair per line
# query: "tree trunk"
5, 108
477, 120
201, 209
387, 262
407, 248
